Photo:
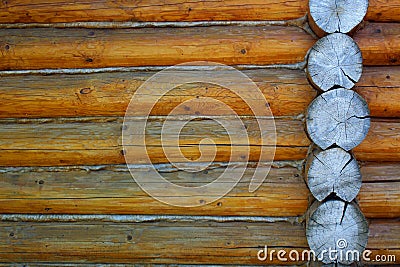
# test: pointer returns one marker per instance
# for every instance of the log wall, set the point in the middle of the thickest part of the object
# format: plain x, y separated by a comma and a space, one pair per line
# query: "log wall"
67, 73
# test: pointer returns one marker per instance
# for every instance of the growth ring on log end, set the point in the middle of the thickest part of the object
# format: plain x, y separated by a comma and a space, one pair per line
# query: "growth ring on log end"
337, 225
329, 16
334, 61
338, 117
333, 171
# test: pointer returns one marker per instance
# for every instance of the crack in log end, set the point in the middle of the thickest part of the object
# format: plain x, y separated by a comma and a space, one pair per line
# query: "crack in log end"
338, 117
330, 16
335, 61
333, 171
337, 225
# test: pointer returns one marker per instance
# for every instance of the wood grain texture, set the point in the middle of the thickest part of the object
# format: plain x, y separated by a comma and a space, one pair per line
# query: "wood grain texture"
24, 11
382, 46
334, 61
382, 133
98, 141
331, 16
87, 143
199, 242
338, 117
337, 225
379, 87
108, 94
333, 171
84, 48
111, 190
158, 242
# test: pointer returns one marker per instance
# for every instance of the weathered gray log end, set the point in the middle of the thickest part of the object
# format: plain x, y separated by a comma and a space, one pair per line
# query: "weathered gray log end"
338, 117
333, 171
340, 226
334, 61
329, 16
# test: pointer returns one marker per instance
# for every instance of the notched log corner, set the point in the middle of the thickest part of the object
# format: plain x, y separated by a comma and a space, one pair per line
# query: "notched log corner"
337, 225
333, 172
338, 117
334, 61
329, 16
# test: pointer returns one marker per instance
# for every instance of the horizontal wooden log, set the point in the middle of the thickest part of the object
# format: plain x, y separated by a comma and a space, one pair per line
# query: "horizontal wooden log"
108, 94
163, 242
98, 141
111, 190
381, 143
24, 11
65, 143
199, 242
88, 48
376, 42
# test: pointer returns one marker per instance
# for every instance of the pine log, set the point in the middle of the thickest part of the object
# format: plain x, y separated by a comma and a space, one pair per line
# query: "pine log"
193, 241
94, 141
94, 48
108, 94
40, 11
337, 225
334, 61
330, 16
338, 117
111, 190
374, 38
333, 171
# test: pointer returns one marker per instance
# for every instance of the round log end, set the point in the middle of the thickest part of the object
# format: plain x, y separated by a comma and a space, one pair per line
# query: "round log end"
334, 61
333, 171
329, 16
340, 226
338, 117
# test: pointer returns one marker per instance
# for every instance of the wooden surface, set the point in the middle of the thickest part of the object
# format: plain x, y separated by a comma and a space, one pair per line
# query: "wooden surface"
192, 242
60, 134
333, 16
99, 142
338, 117
108, 94
334, 61
333, 171
339, 225
25, 11
93, 48
111, 190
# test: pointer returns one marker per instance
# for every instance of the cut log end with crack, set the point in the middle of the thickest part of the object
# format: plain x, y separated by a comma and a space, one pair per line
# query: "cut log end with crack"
337, 225
334, 61
333, 171
329, 16
339, 117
